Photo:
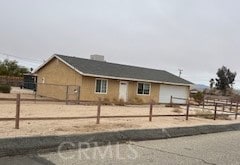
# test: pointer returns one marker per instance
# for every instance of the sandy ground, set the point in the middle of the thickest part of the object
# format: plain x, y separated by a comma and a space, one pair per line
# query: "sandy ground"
25, 93
79, 126
19, 90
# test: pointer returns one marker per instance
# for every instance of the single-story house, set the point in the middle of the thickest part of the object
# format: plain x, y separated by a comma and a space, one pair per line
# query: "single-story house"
96, 78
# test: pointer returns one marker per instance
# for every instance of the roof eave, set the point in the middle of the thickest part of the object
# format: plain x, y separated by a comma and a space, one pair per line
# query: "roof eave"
132, 79
52, 57
42, 65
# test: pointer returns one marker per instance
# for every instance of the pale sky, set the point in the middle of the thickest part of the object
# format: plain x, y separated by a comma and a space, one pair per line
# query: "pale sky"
198, 36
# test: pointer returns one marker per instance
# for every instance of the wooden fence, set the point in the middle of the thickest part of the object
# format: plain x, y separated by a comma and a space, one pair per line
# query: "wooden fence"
13, 81
98, 116
207, 104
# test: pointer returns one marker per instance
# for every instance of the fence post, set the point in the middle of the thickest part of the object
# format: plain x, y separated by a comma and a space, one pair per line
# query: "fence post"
35, 97
231, 106
150, 112
215, 112
171, 101
187, 113
203, 103
236, 115
223, 108
98, 111
78, 95
67, 95
17, 112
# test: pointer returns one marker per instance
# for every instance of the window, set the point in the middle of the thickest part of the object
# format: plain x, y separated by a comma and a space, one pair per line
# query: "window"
143, 88
101, 86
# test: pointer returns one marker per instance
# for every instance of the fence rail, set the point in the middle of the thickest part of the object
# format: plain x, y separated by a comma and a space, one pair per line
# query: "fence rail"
13, 81
101, 117
48, 100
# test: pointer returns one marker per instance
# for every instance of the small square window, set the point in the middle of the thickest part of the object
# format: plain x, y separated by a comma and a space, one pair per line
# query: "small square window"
143, 88
101, 86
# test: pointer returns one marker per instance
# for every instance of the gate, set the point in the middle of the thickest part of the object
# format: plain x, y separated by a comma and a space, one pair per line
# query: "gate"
73, 94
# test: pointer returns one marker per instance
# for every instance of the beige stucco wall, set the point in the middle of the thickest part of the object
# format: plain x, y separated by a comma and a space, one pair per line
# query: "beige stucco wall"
57, 75
154, 92
89, 87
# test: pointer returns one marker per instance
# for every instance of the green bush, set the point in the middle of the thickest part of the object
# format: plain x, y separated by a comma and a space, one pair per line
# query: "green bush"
199, 97
5, 88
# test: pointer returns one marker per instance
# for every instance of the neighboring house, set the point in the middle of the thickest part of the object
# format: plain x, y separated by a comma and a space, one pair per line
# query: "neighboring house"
100, 79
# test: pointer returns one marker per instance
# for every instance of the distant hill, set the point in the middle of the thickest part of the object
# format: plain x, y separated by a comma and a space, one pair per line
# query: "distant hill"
199, 87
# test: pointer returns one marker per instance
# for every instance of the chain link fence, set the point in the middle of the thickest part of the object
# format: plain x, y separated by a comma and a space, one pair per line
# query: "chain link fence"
70, 93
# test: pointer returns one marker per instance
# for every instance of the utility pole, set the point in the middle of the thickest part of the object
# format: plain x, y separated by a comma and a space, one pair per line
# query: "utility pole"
180, 72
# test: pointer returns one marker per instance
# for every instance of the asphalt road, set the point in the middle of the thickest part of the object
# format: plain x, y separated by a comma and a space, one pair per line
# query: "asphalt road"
219, 148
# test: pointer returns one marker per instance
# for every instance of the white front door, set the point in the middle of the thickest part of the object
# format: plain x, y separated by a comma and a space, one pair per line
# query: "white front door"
123, 90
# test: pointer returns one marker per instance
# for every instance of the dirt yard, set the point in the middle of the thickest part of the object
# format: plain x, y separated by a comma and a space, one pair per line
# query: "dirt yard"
60, 127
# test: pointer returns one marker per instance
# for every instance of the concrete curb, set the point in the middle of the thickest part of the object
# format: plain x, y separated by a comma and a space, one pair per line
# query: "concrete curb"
26, 145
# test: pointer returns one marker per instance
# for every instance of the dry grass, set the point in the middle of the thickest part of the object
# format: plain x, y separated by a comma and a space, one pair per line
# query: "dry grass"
118, 102
106, 101
204, 114
210, 115
136, 101
223, 117
177, 110
168, 105
173, 105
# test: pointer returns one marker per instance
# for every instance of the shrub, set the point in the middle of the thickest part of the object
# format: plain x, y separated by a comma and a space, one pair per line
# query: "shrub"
210, 115
106, 101
5, 88
152, 101
204, 114
223, 117
168, 105
235, 98
136, 101
198, 97
174, 105
177, 110
114, 100
119, 102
